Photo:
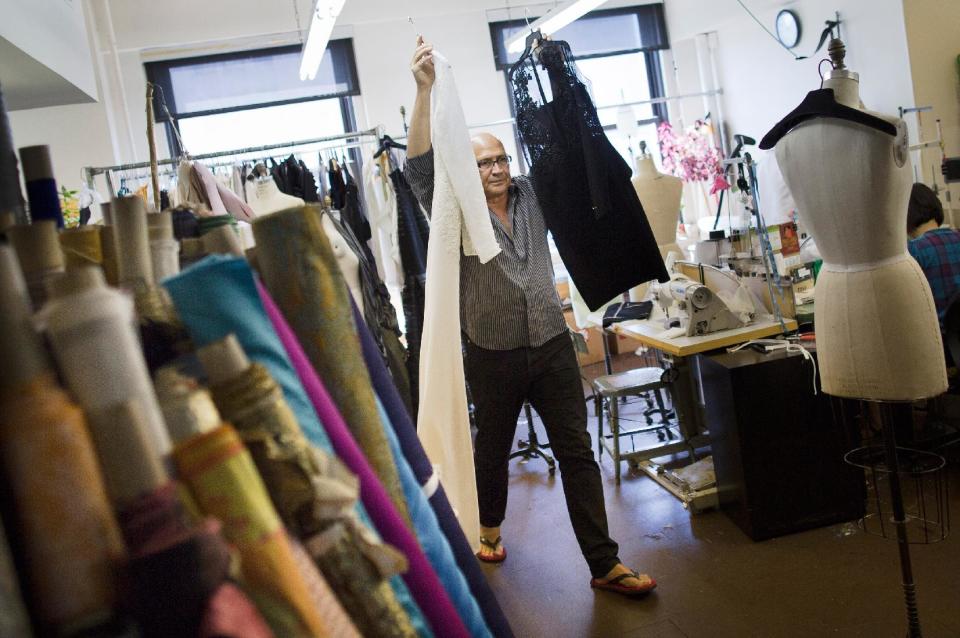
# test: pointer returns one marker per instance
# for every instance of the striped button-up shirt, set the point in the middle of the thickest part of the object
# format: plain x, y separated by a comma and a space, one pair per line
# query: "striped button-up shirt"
511, 301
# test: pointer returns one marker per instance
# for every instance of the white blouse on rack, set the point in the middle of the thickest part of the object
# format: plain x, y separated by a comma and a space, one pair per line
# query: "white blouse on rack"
459, 213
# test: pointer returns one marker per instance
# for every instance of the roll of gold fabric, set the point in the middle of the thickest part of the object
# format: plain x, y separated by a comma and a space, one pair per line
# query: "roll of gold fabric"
108, 252
225, 484
81, 246
301, 273
62, 516
315, 495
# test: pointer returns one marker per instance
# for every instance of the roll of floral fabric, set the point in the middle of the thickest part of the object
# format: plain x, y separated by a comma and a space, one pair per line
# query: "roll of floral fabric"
315, 496
225, 484
62, 517
303, 277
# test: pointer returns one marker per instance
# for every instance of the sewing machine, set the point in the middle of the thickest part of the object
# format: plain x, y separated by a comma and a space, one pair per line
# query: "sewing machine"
705, 311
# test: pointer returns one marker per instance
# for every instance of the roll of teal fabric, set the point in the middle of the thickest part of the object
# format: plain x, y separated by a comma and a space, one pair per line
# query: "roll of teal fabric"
217, 296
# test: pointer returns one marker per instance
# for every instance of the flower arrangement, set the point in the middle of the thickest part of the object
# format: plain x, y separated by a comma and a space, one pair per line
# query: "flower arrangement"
70, 205
691, 155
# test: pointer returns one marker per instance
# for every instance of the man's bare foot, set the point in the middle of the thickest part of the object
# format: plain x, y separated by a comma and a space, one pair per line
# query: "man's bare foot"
623, 580
491, 545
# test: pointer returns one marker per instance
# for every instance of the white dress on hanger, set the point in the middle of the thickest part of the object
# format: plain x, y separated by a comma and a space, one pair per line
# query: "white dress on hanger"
459, 211
381, 201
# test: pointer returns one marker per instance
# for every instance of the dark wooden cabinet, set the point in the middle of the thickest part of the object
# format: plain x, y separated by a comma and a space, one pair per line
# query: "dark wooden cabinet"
777, 447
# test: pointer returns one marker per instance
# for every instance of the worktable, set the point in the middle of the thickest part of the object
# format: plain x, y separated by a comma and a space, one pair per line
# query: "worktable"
685, 388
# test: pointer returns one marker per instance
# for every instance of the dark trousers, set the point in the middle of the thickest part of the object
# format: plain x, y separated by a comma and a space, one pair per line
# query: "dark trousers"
549, 378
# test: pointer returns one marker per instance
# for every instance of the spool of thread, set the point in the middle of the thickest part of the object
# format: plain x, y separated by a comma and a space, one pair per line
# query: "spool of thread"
191, 251
165, 255
160, 225
91, 329
81, 246
187, 409
108, 248
131, 465
223, 360
38, 250
11, 198
7, 220
107, 213
41, 186
208, 223
20, 348
222, 240
132, 242
61, 516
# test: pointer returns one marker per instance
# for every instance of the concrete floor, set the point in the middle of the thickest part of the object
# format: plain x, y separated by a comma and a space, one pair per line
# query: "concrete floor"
714, 582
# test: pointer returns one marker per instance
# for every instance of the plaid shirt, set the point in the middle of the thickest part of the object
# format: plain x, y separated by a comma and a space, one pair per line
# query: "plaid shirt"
938, 253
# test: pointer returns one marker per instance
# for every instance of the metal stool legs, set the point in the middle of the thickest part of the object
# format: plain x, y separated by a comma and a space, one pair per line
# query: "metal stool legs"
532, 448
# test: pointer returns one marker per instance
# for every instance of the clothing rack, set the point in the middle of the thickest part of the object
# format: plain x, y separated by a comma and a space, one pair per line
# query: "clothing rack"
90, 172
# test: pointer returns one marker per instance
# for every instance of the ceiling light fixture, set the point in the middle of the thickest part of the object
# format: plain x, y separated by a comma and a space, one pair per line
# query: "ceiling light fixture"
553, 21
325, 14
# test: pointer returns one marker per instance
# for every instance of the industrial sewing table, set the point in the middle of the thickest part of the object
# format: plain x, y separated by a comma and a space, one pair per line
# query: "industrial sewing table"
677, 353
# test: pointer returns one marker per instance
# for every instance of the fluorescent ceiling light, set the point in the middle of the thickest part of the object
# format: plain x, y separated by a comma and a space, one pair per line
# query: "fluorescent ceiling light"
325, 14
553, 21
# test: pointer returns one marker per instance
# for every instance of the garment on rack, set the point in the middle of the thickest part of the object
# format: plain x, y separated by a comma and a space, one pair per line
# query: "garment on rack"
378, 313
315, 497
413, 235
352, 211
583, 184
298, 267
421, 578
455, 548
222, 200
190, 566
381, 206
238, 307
459, 215
294, 178
338, 184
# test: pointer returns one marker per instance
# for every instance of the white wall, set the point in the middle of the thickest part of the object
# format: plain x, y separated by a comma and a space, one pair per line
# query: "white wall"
932, 25
761, 82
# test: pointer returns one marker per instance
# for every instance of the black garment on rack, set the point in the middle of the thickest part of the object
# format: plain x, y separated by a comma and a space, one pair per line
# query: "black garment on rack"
583, 184
294, 178
338, 186
352, 211
378, 313
413, 235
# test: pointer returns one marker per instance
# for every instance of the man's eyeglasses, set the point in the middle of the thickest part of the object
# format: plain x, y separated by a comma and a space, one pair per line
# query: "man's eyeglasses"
488, 164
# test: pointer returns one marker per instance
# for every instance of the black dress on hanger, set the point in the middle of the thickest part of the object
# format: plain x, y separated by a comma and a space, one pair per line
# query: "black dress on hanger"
352, 210
583, 184
413, 235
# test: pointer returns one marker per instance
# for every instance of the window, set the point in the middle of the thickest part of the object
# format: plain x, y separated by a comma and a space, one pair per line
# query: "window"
254, 98
617, 55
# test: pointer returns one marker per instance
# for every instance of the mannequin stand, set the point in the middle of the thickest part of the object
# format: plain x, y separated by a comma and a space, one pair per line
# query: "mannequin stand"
531, 448
899, 521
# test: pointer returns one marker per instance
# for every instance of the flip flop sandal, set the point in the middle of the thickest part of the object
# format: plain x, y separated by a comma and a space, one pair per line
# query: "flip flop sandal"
614, 585
497, 556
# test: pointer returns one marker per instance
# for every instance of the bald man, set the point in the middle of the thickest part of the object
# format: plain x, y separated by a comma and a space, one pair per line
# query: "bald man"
518, 349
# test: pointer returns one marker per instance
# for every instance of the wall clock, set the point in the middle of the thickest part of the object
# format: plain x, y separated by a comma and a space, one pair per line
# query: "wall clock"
788, 28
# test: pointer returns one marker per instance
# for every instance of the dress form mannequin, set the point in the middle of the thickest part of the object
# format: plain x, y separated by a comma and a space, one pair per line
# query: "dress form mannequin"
877, 330
348, 261
264, 197
660, 196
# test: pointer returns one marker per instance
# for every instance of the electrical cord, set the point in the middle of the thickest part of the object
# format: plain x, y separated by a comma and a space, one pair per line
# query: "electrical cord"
772, 345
